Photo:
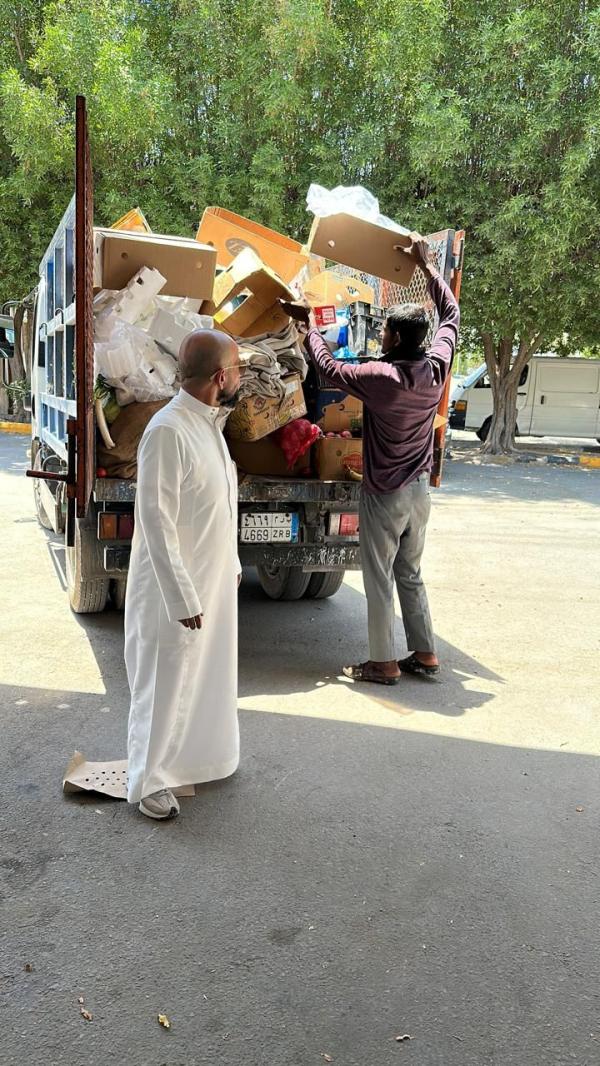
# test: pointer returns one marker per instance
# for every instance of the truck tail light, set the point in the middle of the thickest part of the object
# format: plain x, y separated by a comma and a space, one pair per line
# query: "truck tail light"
343, 525
107, 526
125, 526
114, 526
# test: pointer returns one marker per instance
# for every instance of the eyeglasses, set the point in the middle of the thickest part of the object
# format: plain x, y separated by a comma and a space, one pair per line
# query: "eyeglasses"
232, 366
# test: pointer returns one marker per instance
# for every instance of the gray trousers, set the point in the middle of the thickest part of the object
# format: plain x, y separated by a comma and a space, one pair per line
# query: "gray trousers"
392, 537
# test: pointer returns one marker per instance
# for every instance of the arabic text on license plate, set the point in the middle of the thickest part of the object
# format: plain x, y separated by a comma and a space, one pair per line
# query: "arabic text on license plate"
269, 527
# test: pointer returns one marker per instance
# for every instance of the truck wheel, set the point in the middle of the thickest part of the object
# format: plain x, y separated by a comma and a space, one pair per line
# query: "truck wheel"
118, 588
86, 596
37, 492
322, 586
283, 582
484, 429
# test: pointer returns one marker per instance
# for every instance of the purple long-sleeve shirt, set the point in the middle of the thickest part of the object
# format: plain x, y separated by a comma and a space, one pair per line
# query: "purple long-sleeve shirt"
400, 399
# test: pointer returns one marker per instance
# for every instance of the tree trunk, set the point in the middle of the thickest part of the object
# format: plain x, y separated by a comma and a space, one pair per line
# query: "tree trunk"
501, 437
505, 373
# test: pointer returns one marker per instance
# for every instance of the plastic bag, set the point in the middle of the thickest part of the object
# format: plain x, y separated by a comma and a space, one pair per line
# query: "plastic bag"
296, 438
145, 386
135, 366
349, 200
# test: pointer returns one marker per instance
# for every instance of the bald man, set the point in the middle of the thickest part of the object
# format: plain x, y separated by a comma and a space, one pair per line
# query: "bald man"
181, 605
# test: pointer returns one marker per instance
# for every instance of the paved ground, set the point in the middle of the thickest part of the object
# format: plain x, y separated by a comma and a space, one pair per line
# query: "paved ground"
409, 861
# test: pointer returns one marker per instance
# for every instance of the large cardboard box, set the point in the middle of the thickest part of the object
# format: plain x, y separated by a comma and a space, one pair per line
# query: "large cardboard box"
342, 416
189, 267
265, 457
363, 246
332, 454
327, 288
257, 416
261, 311
230, 234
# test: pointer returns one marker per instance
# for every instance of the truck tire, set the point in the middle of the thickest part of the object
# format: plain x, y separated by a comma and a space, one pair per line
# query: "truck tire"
322, 586
86, 596
283, 582
118, 588
37, 493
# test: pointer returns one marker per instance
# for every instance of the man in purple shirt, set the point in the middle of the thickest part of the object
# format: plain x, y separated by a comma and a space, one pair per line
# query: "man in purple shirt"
401, 392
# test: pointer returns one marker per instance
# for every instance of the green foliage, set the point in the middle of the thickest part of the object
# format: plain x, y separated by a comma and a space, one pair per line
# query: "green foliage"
475, 115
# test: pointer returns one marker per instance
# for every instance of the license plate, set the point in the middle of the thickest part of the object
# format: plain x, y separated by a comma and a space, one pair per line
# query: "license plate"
269, 527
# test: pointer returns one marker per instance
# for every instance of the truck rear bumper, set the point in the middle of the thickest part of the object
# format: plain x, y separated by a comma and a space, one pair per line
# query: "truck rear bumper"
314, 557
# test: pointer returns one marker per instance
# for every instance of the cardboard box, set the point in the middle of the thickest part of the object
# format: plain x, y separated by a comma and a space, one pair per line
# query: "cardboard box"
261, 311
340, 417
134, 221
230, 234
363, 246
331, 455
189, 267
265, 457
320, 400
327, 288
257, 416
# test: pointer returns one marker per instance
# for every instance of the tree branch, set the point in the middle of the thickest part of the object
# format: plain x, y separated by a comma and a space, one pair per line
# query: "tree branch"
18, 46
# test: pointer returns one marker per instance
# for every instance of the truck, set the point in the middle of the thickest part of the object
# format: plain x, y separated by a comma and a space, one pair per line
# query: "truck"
303, 533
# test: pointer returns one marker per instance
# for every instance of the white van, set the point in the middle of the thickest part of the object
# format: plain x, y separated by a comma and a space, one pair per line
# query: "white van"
556, 398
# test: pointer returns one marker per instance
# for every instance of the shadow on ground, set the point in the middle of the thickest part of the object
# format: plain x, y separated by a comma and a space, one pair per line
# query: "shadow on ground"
350, 884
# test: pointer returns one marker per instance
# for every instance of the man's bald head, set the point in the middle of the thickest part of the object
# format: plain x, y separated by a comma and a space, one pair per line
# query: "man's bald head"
203, 353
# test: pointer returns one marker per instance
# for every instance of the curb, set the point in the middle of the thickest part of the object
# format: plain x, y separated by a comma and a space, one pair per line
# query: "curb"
16, 427
588, 462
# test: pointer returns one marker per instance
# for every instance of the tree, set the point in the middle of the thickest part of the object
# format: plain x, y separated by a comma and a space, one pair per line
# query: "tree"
453, 112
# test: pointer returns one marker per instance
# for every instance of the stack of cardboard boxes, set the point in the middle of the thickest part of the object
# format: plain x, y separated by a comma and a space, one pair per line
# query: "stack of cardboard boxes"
238, 272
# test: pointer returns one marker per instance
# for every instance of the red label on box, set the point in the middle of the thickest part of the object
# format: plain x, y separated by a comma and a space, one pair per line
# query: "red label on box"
325, 316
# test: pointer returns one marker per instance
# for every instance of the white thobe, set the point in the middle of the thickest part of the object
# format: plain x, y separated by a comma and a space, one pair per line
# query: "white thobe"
183, 726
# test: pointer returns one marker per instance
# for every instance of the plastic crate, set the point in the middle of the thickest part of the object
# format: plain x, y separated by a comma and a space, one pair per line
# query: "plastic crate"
366, 321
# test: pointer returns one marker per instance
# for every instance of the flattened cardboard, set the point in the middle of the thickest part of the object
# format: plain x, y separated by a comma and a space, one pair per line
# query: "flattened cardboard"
363, 246
230, 234
257, 416
327, 288
106, 778
331, 454
261, 311
339, 417
189, 267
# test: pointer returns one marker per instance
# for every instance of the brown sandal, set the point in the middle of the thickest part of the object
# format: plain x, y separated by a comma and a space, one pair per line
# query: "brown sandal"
365, 672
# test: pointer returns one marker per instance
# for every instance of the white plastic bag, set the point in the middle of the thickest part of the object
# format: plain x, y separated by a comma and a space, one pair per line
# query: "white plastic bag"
134, 365
349, 200
144, 386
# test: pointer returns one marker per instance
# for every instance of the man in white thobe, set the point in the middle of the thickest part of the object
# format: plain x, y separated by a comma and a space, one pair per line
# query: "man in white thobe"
181, 605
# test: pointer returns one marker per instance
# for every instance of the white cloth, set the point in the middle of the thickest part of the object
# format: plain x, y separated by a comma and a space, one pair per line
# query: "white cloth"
183, 726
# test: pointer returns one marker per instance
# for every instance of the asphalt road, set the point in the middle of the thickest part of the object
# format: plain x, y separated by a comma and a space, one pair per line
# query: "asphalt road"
420, 860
